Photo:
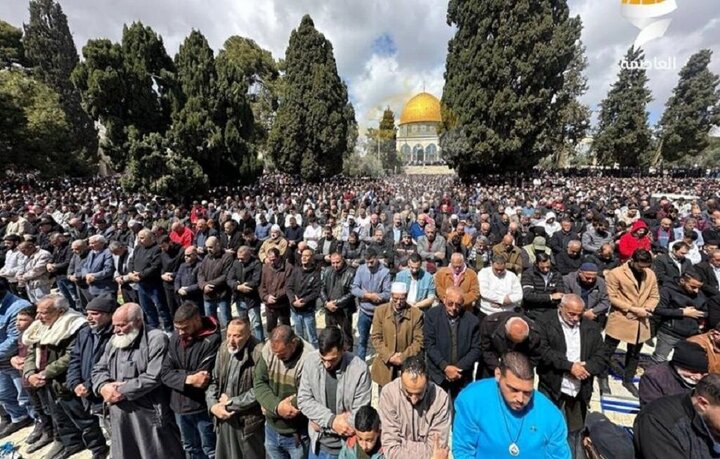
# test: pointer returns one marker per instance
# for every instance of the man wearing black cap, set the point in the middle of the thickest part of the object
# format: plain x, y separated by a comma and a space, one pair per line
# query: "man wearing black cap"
85, 408
688, 365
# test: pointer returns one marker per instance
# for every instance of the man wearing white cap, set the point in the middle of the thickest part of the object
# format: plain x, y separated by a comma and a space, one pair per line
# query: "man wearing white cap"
397, 333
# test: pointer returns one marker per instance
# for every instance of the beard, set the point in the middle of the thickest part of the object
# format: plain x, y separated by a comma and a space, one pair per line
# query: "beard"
232, 350
123, 341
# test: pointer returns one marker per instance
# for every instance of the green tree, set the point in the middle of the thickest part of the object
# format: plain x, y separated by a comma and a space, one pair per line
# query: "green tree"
156, 169
623, 135
50, 49
504, 68
261, 75
382, 142
315, 129
126, 87
691, 111
573, 117
34, 131
11, 46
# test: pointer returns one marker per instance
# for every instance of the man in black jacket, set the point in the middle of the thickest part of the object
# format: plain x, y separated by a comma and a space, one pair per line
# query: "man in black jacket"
572, 354
543, 287
302, 292
145, 271
337, 298
681, 307
452, 343
61, 256
710, 273
670, 266
327, 245
230, 239
683, 426
244, 282
186, 371
89, 347
212, 280
171, 255
504, 332
185, 282
570, 259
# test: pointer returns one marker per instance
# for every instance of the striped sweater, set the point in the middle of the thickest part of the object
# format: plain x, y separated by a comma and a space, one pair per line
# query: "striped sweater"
275, 380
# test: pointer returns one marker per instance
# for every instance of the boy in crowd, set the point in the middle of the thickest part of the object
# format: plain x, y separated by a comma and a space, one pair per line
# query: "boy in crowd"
365, 444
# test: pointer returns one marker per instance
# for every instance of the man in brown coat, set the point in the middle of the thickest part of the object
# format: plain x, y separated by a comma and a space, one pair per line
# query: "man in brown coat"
458, 274
276, 275
396, 335
633, 292
511, 252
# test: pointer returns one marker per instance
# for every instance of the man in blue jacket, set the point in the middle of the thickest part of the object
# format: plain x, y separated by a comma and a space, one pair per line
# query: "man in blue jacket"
99, 267
89, 347
13, 399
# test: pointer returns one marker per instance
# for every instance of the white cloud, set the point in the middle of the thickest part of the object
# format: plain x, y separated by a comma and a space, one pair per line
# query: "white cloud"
417, 28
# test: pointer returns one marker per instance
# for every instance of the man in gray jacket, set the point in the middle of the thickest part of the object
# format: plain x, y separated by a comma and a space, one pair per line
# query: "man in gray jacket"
586, 284
333, 386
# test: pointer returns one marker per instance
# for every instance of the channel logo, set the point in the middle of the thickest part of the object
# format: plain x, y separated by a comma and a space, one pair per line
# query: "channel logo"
648, 16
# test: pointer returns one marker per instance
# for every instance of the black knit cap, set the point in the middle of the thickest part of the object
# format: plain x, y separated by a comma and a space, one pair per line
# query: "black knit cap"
690, 356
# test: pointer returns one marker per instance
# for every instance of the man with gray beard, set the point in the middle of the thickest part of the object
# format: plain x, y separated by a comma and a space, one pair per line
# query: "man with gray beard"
128, 378
239, 421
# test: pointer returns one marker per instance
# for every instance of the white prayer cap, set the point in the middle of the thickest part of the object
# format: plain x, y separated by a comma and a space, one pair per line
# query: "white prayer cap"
399, 287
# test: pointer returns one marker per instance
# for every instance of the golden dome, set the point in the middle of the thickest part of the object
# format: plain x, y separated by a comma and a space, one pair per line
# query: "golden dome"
423, 107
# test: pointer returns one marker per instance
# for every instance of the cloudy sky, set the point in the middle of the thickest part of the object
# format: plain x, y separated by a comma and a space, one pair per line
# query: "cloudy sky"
388, 50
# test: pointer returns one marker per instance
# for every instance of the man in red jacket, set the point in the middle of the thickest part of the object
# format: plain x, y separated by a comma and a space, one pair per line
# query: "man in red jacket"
636, 238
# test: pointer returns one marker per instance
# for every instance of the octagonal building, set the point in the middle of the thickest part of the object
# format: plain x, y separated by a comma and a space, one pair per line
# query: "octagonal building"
417, 136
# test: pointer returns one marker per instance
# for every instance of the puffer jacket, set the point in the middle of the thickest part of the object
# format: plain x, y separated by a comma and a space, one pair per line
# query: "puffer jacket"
672, 301
536, 293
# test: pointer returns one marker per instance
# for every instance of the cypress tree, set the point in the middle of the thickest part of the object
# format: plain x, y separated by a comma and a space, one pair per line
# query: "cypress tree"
118, 83
623, 135
691, 111
49, 47
315, 127
504, 69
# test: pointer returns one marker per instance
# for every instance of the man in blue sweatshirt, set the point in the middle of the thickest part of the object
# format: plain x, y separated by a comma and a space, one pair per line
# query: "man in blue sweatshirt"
516, 420
371, 286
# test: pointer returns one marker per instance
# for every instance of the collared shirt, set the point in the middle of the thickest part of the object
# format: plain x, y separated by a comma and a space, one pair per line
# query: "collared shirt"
412, 291
570, 385
716, 271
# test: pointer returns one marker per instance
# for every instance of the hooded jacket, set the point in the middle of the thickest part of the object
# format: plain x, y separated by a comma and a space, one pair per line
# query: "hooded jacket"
188, 357
629, 242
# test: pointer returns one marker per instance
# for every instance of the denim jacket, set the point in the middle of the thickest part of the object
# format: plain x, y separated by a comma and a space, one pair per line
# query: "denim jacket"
426, 283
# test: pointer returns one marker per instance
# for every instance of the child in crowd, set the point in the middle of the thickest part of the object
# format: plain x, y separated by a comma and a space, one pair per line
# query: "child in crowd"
365, 444
42, 433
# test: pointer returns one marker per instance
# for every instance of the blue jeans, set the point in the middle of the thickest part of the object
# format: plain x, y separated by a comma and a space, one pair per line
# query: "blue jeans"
69, 291
304, 325
279, 446
220, 309
152, 302
13, 397
363, 325
254, 318
198, 435
322, 455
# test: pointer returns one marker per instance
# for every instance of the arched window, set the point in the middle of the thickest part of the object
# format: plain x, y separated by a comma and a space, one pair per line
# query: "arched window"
418, 154
431, 154
405, 153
